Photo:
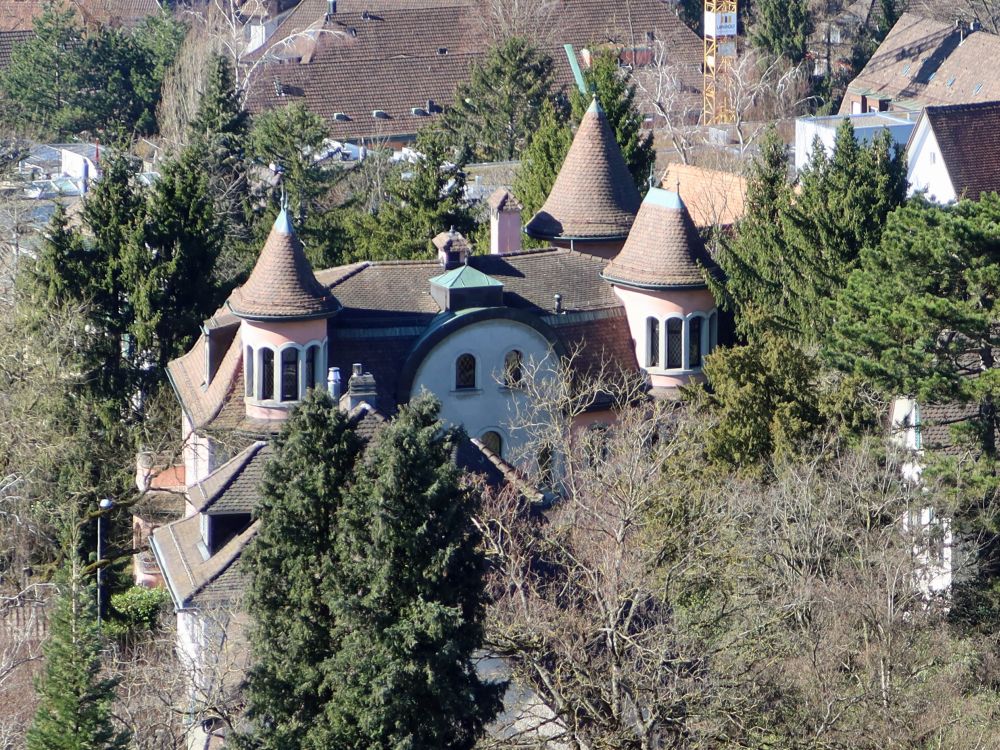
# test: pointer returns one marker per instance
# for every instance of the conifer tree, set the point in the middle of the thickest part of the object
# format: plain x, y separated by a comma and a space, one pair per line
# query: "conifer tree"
292, 564
74, 711
497, 110
607, 81
409, 599
781, 28
542, 160
220, 114
173, 258
919, 315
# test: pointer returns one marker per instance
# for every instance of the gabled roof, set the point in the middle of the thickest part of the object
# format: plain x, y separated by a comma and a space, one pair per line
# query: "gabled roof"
969, 138
502, 199
712, 197
282, 284
394, 55
594, 197
663, 250
926, 62
234, 486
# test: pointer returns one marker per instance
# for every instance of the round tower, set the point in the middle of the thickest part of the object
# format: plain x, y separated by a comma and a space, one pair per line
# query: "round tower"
283, 330
593, 201
660, 277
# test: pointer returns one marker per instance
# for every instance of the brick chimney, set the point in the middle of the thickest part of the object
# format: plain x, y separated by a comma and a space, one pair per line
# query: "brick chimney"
505, 223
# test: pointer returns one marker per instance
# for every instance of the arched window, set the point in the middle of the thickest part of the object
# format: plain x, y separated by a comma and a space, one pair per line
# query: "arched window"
513, 371
248, 371
465, 372
694, 342
545, 469
312, 366
290, 374
493, 441
266, 374
713, 332
675, 348
652, 342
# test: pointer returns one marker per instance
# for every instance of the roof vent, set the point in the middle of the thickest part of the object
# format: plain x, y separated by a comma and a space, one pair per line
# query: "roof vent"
352, 31
418, 111
380, 114
340, 117
278, 90
364, 15
442, 50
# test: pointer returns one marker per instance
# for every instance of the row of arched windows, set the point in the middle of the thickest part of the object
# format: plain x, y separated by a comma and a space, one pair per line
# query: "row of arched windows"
466, 377
677, 343
284, 374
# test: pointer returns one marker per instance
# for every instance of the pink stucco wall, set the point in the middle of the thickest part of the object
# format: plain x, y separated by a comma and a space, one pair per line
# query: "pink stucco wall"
642, 305
276, 333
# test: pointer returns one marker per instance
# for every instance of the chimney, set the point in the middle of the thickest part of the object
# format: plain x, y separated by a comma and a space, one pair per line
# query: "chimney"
505, 223
557, 303
331, 9
143, 470
360, 390
453, 249
333, 383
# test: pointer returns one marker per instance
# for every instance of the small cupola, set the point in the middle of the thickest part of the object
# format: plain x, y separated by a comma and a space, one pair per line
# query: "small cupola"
594, 200
453, 249
465, 287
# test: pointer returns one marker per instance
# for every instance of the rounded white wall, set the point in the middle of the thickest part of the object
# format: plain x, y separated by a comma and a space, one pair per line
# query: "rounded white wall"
490, 405
277, 336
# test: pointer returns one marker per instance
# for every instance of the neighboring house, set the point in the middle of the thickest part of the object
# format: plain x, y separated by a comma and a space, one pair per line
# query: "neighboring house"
922, 63
9, 40
466, 328
954, 152
382, 69
713, 198
19, 15
831, 44
866, 127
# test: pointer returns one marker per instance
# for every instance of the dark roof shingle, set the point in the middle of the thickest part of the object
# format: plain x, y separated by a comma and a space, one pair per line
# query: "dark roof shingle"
969, 138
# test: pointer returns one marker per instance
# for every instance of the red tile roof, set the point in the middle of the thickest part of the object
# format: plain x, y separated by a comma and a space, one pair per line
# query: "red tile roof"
594, 196
926, 62
969, 138
663, 250
19, 15
282, 284
395, 55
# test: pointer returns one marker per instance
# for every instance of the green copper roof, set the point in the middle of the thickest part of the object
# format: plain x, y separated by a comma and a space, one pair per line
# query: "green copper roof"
464, 277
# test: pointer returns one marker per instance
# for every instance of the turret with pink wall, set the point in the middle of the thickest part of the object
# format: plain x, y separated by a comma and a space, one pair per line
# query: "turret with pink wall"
661, 278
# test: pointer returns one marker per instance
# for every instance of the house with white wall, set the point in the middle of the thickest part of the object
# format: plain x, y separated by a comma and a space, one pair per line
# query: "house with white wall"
823, 130
954, 152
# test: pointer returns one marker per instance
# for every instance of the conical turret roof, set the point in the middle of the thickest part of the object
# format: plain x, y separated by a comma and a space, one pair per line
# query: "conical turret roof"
594, 197
282, 284
663, 250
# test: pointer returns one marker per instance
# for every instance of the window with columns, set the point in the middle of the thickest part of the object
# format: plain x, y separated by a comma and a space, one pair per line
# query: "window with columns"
285, 374
680, 342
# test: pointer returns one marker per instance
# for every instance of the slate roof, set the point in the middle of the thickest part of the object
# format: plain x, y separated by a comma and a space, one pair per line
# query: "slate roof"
925, 62
19, 15
392, 60
594, 196
282, 283
9, 40
664, 249
969, 138
234, 486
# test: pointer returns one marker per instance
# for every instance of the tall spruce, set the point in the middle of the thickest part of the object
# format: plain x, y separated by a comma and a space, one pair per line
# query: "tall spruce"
781, 28
173, 258
756, 273
494, 114
918, 316
607, 80
410, 598
793, 252
292, 564
74, 710
542, 159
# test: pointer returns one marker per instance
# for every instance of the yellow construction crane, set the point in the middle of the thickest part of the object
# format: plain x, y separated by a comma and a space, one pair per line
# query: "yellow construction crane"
720, 54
